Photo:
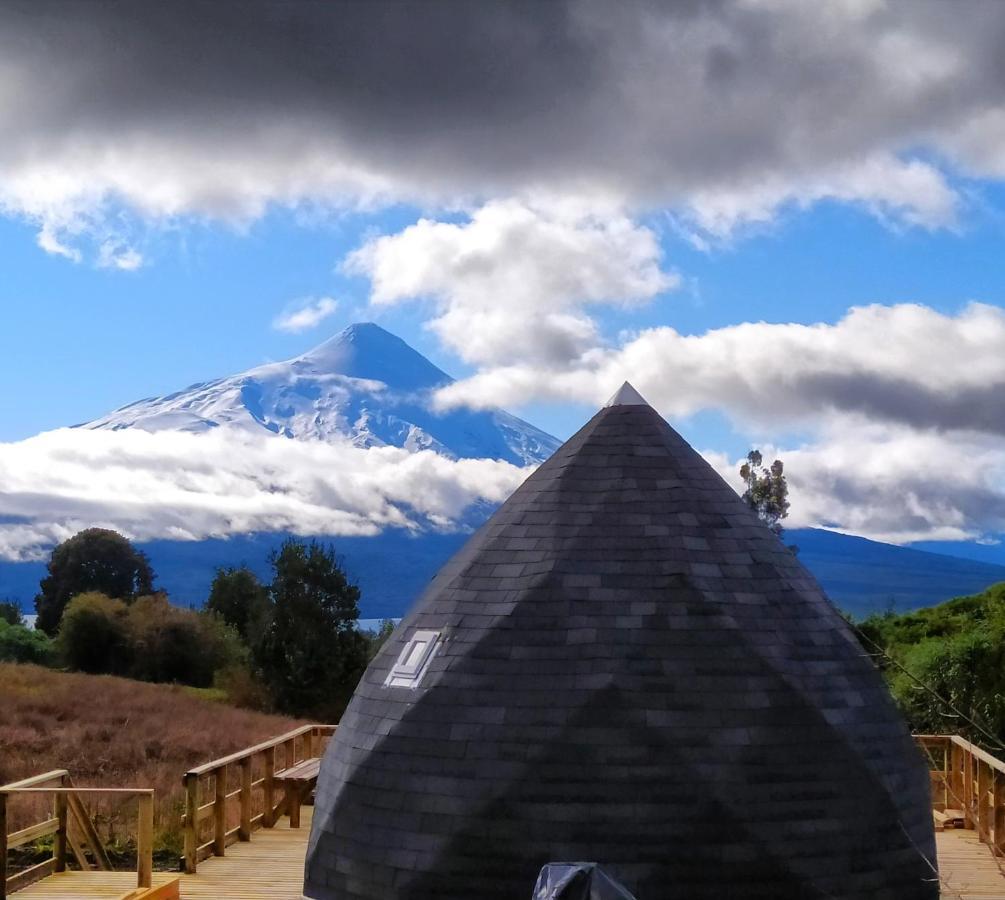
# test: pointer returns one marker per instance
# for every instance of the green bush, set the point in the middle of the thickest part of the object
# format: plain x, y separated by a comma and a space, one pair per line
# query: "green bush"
311, 656
172, 644
24, 645
242, 601
10, 612
944, 659
93, 635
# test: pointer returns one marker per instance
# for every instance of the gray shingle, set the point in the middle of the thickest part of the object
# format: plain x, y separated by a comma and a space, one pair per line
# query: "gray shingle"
635, 672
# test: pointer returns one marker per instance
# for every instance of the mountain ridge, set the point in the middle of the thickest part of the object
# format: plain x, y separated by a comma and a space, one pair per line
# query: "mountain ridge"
860, 576
364, 384
370, 386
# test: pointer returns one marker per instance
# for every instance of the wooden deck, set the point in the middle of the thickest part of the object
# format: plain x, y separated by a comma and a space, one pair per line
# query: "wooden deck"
271, 867
268, 867
967, 867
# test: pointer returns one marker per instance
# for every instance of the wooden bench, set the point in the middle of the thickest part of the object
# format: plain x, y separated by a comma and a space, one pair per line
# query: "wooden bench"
298, 781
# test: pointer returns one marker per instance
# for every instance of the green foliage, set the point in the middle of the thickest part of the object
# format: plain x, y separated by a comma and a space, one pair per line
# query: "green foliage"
311, 655
242, 601
172, 644
24, 645
293, 645
95, 560
93, 636
240, 686
10, 612
767, 492
957, 650
378, 638
151, 640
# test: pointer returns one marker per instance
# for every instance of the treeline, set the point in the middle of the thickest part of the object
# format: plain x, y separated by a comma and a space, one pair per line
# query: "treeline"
291, 645
946, 664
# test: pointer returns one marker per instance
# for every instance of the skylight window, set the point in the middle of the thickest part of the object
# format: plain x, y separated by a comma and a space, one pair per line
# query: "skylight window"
414, 659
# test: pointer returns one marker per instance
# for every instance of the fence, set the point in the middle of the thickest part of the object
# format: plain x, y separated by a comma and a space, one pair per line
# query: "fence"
234, 800
968, 783
68, 807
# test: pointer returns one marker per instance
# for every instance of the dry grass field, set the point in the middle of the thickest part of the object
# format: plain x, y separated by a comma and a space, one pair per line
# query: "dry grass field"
113, 732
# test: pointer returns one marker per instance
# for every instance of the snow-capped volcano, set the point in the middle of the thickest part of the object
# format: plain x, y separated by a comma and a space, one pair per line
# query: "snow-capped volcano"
363, 384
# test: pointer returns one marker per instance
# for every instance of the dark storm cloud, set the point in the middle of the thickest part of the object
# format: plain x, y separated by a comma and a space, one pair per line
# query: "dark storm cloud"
449, 98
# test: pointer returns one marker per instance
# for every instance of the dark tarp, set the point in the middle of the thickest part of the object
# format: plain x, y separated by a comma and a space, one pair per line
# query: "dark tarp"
577, 881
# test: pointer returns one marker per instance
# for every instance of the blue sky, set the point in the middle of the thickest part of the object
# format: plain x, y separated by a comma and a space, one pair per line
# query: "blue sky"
81, 340
783, 222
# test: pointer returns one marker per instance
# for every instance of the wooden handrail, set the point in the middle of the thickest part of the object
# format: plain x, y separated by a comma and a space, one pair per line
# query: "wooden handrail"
67, 800
973, 748
36, 780
135, 792
207, 768
970, 780
238, 786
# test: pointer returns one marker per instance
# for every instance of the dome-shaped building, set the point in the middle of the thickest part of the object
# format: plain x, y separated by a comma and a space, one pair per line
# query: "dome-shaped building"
623, 666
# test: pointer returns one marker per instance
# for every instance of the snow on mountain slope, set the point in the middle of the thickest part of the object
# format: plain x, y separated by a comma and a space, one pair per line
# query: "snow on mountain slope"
364, 384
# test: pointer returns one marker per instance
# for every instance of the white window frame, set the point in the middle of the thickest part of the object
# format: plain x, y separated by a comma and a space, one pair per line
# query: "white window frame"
414, 659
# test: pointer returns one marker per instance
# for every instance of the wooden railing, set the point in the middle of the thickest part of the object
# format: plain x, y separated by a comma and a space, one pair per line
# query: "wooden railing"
84, 837
231, 784
969, 782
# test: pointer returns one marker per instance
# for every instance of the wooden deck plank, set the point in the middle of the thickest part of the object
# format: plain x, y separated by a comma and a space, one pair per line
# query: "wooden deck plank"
967, 867
268, 867
271, 867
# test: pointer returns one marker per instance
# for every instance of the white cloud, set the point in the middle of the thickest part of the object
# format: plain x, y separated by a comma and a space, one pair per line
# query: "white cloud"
513, 282
900, 192
183, 486
50, 242
906, 363
112, 254
891, 484
888, 483
305, 314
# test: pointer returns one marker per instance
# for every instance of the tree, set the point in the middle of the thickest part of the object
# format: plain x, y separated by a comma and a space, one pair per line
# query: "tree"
242, 601
24, 645
767, 492
96, 559
93, 635
311, 655
172, 644
10, 612
378, 638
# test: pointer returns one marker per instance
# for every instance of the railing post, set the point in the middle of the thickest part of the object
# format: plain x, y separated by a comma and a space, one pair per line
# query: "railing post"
220, 812
969, 813
998, 814
244, 832
956, 773
983, 804
268, 787
145, 842
291, 752
3, 846
191, 823
59, 849
947, 773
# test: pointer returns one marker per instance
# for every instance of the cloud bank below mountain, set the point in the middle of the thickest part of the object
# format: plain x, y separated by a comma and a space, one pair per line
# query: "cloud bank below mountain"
186, 487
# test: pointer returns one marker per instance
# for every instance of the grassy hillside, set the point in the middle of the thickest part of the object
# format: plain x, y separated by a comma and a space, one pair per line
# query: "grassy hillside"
957, 651
112, 732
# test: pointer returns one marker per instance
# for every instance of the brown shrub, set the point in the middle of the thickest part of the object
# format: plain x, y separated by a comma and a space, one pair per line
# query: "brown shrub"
114, 732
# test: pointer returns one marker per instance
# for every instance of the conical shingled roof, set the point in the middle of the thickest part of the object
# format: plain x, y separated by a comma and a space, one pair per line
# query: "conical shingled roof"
623, 666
